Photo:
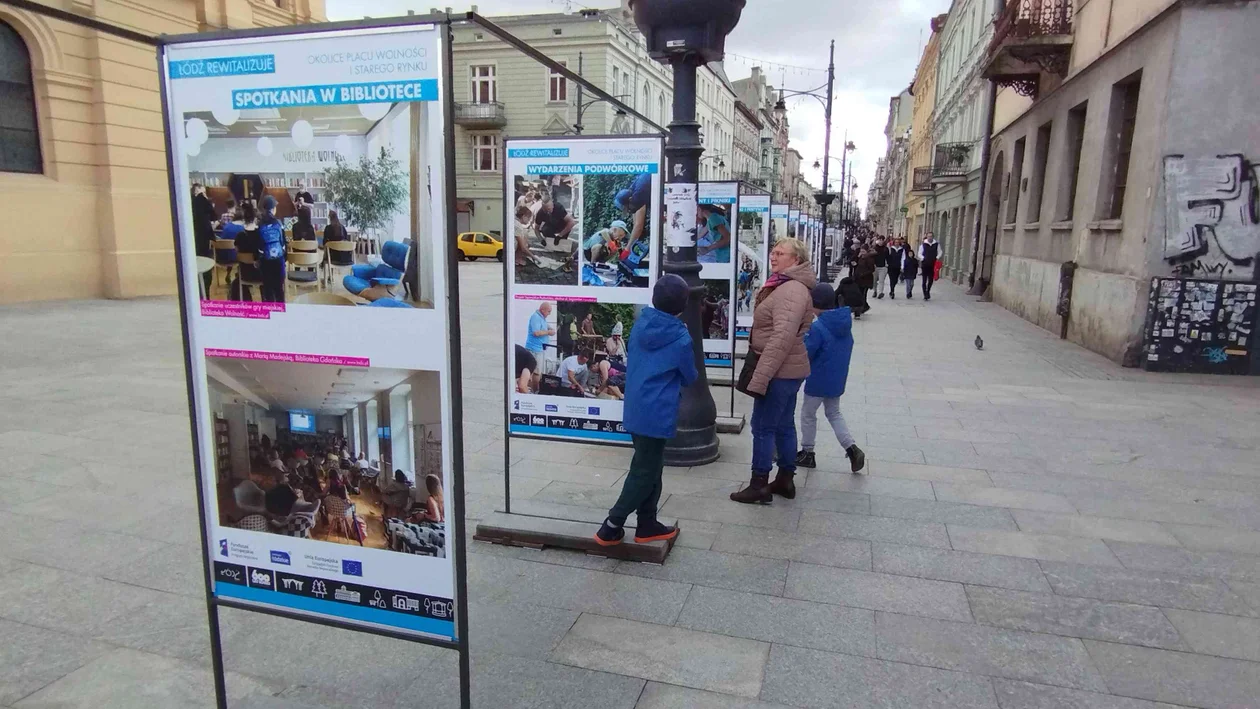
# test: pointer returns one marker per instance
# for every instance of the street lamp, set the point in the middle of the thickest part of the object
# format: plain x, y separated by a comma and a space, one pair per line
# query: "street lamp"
823, 198
848, 145
583, 106
686, 34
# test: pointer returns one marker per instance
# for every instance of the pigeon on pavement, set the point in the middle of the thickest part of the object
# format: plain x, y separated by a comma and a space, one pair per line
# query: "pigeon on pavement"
979, 343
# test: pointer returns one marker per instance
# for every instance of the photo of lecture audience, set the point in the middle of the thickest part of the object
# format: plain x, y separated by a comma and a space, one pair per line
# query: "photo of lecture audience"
346, 455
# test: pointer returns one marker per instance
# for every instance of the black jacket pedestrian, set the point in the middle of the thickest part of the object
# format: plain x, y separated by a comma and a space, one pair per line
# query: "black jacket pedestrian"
909, 264
865, 271
894, 264
881, 256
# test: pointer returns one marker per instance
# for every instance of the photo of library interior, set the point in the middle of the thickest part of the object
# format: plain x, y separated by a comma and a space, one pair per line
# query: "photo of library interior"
350, 455
312, 205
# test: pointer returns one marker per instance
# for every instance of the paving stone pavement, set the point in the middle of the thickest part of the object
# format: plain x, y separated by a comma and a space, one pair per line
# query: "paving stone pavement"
1037, 528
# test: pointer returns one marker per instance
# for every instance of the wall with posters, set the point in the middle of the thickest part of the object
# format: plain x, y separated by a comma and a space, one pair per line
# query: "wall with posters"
753, 262
585, 232
716, 220
261, 360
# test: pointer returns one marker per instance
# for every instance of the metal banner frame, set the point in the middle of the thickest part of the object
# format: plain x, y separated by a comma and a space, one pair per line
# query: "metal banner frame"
441, 24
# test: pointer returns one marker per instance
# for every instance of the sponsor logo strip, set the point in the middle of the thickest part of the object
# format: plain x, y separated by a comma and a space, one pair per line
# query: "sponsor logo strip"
366, 613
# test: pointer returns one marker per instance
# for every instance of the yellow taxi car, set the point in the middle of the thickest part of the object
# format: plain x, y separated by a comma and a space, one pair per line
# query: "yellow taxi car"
478, 244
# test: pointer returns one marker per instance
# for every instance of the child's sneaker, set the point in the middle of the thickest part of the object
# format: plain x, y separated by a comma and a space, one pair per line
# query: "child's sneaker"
805, 459
857, 459
653, 531
609, 534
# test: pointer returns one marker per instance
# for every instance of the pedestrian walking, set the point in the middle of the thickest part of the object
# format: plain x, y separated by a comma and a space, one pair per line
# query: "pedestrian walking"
881, 266
776, 367
909, 269
929, 250
829, 343
894, 267
661, 364
866, 272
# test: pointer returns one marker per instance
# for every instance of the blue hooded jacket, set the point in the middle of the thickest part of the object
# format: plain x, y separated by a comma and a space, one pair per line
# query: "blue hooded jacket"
659, 363
829, 343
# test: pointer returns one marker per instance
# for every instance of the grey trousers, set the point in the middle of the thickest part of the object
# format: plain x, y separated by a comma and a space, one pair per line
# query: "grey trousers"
809, 421
881, 272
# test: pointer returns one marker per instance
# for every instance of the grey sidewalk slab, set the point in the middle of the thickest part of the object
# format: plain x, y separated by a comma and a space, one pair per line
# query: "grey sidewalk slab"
1224, 564
1166, 590
1013, 694
1075, 525
1214, 538
784, 621
944, 513
1220, 635
960, 566
611, 594
1176, 677
774, 544
736, 572
979, 649
875, 591
1048, 547
128, 679
32, 657
673, 655
812, 678
875, 529
1002, 497
1074, 617
667, 696
871, 485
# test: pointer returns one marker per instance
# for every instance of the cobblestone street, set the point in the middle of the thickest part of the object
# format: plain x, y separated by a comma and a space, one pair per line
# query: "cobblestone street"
1038, 528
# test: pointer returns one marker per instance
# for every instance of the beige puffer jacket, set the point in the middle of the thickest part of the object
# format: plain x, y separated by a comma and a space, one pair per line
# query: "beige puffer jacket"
779, 326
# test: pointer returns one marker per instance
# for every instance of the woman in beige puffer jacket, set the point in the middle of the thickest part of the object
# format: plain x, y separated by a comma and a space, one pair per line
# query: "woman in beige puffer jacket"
781, 318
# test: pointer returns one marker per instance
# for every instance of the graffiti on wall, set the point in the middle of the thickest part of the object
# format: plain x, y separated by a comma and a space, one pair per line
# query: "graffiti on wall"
1212, 216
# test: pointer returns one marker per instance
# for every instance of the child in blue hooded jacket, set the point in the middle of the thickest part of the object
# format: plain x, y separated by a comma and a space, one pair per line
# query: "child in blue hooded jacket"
829, 343
660, 362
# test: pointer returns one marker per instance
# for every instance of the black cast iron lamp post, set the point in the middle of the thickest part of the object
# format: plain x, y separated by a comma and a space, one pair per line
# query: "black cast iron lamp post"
686, 34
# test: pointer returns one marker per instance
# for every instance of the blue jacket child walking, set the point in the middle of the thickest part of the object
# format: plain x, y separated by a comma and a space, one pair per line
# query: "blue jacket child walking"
660, 363
829, 343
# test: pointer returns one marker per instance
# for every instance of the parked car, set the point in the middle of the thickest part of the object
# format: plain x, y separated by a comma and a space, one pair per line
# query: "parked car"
478, 244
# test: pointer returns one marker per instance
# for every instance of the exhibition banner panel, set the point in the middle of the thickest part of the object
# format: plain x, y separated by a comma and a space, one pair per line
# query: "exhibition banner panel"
778, 223
794, 222
754, 258
584, 254
718, 211
325, 434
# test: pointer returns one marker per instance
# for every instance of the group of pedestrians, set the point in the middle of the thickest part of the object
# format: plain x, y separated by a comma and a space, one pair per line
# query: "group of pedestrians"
802, 335
874, 260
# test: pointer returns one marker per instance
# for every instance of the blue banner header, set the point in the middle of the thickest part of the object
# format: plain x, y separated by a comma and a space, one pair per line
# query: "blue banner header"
337, 94
637, 168
223, 66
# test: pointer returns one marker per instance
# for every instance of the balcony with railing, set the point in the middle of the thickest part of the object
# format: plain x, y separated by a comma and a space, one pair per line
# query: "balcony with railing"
480, 116
1031, 39
952, 162
921, 182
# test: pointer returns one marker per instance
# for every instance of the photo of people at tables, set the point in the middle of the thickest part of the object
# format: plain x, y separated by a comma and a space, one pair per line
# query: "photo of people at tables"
311, 206
571, 348
547, 228
346, 455
617, 223
713, 234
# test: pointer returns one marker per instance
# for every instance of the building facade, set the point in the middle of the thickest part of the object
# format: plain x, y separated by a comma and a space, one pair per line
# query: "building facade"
1126, 151
889, 219
83, 169
501, 92
958, 125
746, 146
919, 164
760, 96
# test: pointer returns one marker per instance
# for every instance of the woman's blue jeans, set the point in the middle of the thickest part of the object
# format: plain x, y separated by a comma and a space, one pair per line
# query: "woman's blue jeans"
774, 427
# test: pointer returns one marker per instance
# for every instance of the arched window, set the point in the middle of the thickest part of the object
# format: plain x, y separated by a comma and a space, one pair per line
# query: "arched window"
19, 134
660, 104
646, 109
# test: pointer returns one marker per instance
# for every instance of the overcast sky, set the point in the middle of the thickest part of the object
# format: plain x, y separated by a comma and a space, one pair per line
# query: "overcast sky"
877, 48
